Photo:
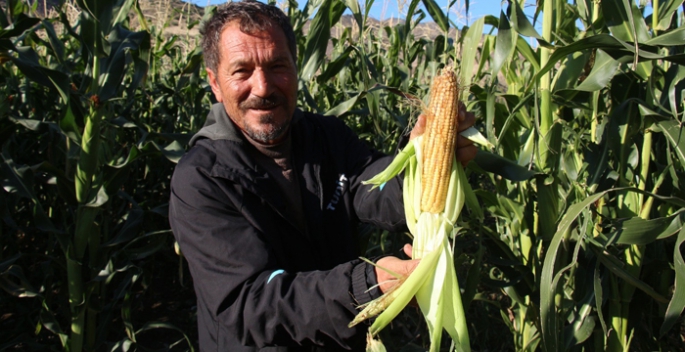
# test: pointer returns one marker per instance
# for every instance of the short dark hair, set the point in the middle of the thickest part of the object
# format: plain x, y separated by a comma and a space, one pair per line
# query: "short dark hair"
253, 16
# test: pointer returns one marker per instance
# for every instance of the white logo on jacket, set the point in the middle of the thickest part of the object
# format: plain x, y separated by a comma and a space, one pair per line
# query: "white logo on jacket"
339, 190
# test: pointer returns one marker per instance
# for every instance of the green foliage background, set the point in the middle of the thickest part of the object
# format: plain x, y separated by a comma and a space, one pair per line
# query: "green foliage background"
576, 239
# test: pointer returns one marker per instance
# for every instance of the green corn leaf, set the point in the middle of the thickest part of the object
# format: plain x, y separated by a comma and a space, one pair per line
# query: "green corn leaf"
504, 47
524, 49
672, 97
640, 231
469, 196
599, 296
130, 228
162, 325
122, 43
521, 103
667, 9
602, 72
353, 6
506, 168
335, 66
19, 181
548, 313
319, 34
344, 107
521, 24
570, 70
14, 281
616, 267
50, 322
669, 38
490, 114
146, 245
677, 303
625, 20
576, 335
56, 45
21, 23
28, 63
437, 14
616, 48
470, 47
674, 133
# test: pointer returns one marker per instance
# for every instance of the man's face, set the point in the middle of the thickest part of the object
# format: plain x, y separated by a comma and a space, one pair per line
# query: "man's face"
256, 80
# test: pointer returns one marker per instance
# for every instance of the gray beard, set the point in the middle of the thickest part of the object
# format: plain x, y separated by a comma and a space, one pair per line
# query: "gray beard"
271, 134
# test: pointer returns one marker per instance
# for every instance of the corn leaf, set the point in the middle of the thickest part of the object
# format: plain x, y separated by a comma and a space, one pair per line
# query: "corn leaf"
640, 231
504, 47
677, 303
602, 73
437, 14
625, 21
471, 43
548, 312
506, 168
616, 267
673, 131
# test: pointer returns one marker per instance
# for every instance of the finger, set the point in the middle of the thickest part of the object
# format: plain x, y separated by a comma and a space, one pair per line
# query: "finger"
411, 266
463, 142
467, 121
408, 250
419, 127
466, 154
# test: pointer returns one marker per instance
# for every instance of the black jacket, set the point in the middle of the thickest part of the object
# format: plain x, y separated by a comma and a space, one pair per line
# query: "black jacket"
259, 280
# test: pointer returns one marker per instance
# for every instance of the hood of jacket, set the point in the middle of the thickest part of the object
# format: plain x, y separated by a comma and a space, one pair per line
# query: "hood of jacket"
217, 126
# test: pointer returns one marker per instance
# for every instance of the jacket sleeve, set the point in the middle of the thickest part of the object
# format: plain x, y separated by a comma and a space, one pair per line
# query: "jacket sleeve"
236, 278
382, 206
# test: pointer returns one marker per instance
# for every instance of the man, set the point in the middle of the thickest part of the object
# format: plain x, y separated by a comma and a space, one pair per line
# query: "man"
266, 203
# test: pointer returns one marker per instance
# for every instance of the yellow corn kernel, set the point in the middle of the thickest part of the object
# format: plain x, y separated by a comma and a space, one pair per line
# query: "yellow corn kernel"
439, 141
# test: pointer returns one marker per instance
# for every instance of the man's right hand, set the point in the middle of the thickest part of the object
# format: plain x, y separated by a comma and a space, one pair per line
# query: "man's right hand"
387, 281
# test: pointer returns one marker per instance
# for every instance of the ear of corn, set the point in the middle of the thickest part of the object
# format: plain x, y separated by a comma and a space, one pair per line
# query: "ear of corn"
439, 141
434, 191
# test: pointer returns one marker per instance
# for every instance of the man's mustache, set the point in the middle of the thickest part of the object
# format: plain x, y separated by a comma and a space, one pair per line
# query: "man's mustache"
262, 103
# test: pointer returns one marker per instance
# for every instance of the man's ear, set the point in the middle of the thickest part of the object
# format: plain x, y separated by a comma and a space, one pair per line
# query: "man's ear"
216, 89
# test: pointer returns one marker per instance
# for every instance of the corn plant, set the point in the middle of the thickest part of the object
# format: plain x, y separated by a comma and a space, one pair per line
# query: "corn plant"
594, 112
574, 119
578, 246
85, 146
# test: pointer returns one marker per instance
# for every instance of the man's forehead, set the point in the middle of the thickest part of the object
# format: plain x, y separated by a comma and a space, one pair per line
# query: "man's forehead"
235, 41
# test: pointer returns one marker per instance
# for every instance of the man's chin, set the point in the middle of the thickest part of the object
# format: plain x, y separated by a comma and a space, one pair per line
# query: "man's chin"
268, 135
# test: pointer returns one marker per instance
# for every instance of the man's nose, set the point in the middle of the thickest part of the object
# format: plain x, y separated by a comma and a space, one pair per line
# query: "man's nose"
261, 84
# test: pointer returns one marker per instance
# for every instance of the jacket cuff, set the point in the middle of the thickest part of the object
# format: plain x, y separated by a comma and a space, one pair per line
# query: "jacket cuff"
364, 285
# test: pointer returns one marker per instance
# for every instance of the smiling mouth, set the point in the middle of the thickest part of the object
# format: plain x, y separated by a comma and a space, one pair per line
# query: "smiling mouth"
256, 103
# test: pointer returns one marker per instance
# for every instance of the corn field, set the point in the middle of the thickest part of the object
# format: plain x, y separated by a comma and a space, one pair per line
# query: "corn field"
574, 240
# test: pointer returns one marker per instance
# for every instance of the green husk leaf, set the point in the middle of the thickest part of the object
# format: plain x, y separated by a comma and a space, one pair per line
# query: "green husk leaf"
397, 165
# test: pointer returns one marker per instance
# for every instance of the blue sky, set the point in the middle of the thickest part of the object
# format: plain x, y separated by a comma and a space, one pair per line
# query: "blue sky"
386, 9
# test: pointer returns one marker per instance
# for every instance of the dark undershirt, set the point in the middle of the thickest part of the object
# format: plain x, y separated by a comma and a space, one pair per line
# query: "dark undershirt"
277, 161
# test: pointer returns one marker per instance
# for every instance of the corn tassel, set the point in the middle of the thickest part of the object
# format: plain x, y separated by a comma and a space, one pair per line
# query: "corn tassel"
434, 193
